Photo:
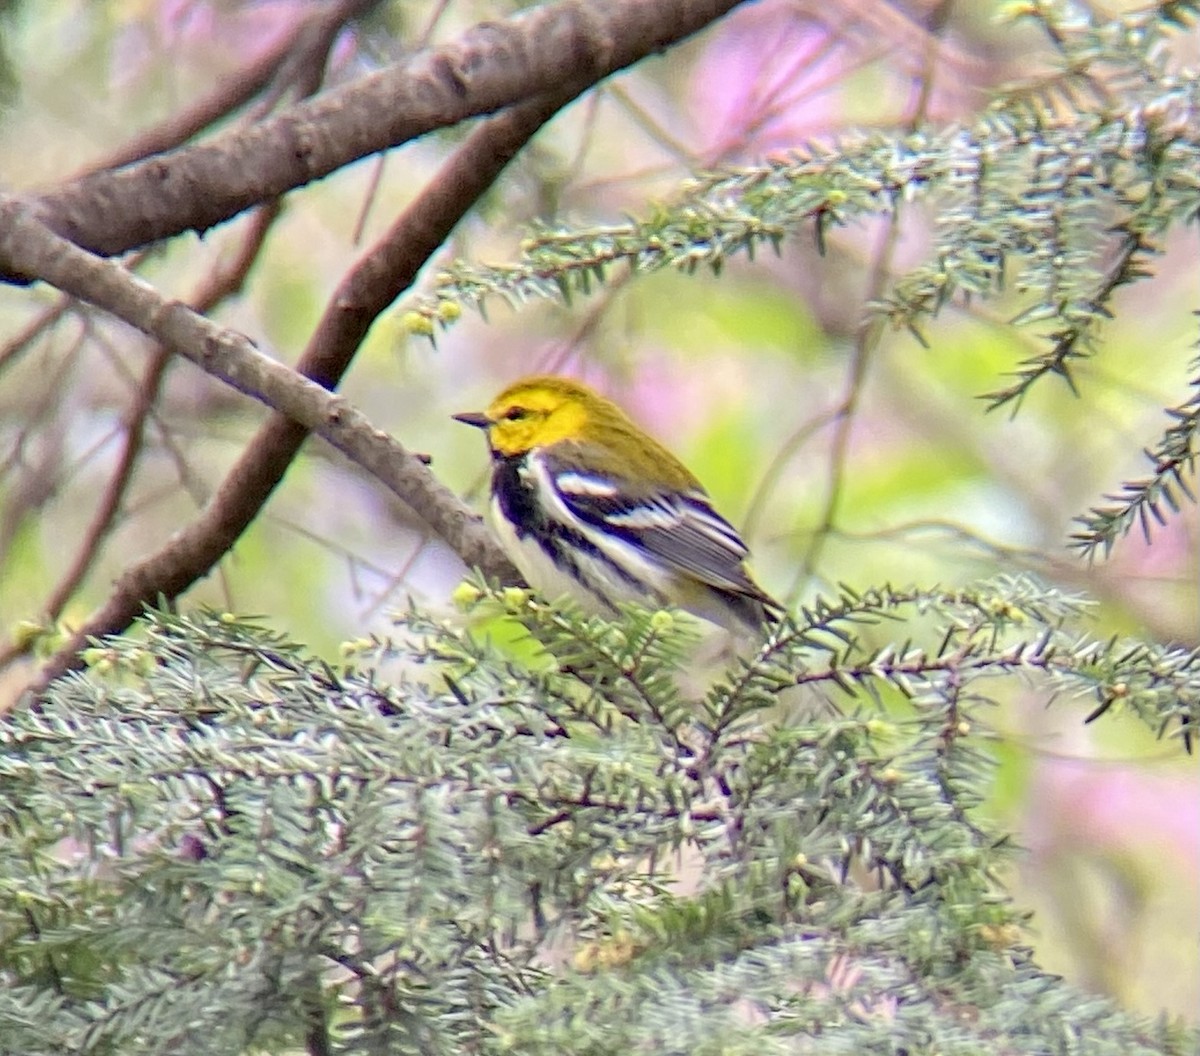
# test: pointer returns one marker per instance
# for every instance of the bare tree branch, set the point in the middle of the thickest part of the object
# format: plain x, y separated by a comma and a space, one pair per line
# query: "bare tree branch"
312, 40
563, 48
309, 39
26, 243
38, 446
371, 286
493, 65
221, 283
44, 321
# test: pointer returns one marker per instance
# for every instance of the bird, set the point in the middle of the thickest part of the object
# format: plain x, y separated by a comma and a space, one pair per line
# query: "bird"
588, 506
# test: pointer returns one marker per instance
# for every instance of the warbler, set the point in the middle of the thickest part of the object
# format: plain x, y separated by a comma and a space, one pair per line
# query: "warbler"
588, 506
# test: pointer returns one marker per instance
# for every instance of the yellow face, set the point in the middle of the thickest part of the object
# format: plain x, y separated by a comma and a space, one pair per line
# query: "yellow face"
531, 414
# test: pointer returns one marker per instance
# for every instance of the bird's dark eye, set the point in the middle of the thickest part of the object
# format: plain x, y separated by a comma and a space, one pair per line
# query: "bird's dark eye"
515, 414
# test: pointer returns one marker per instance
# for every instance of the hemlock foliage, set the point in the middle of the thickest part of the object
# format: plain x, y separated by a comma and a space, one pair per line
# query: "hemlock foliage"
541, 833
211, 842
1060, 193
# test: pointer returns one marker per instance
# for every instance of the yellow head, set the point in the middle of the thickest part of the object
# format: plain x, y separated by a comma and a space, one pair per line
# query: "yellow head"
545, 409
534, 412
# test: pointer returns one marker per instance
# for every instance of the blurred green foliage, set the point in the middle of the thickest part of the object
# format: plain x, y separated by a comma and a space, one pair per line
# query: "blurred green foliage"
745, 375
215, 840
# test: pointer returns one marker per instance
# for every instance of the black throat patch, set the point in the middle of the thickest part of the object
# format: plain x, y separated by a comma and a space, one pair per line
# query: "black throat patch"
515, 496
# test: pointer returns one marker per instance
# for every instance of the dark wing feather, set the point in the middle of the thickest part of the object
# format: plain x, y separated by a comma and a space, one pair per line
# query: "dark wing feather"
679, 528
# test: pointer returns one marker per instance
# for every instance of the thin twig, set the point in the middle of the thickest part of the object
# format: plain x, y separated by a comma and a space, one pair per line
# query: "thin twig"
867, 336
222, 283
370, 287
20, 342
233, 90
490, 66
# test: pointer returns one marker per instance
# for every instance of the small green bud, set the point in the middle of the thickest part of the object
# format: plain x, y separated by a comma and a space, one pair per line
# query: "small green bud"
51, 640
1004, 610
1014, 12
416, 323
515, 597
465, 595
662, 621
26, 632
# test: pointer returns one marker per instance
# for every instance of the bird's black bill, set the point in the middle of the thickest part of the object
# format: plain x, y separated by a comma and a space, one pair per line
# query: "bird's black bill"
475, 418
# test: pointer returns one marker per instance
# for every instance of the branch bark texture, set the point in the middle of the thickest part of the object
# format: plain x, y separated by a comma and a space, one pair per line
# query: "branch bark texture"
528, 67
27, 244
491, 66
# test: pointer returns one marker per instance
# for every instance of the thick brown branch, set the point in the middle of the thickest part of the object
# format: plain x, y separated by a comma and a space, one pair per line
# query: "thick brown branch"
221, 283
227, 355
308, 40
311, 42
491, 66
381, 274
